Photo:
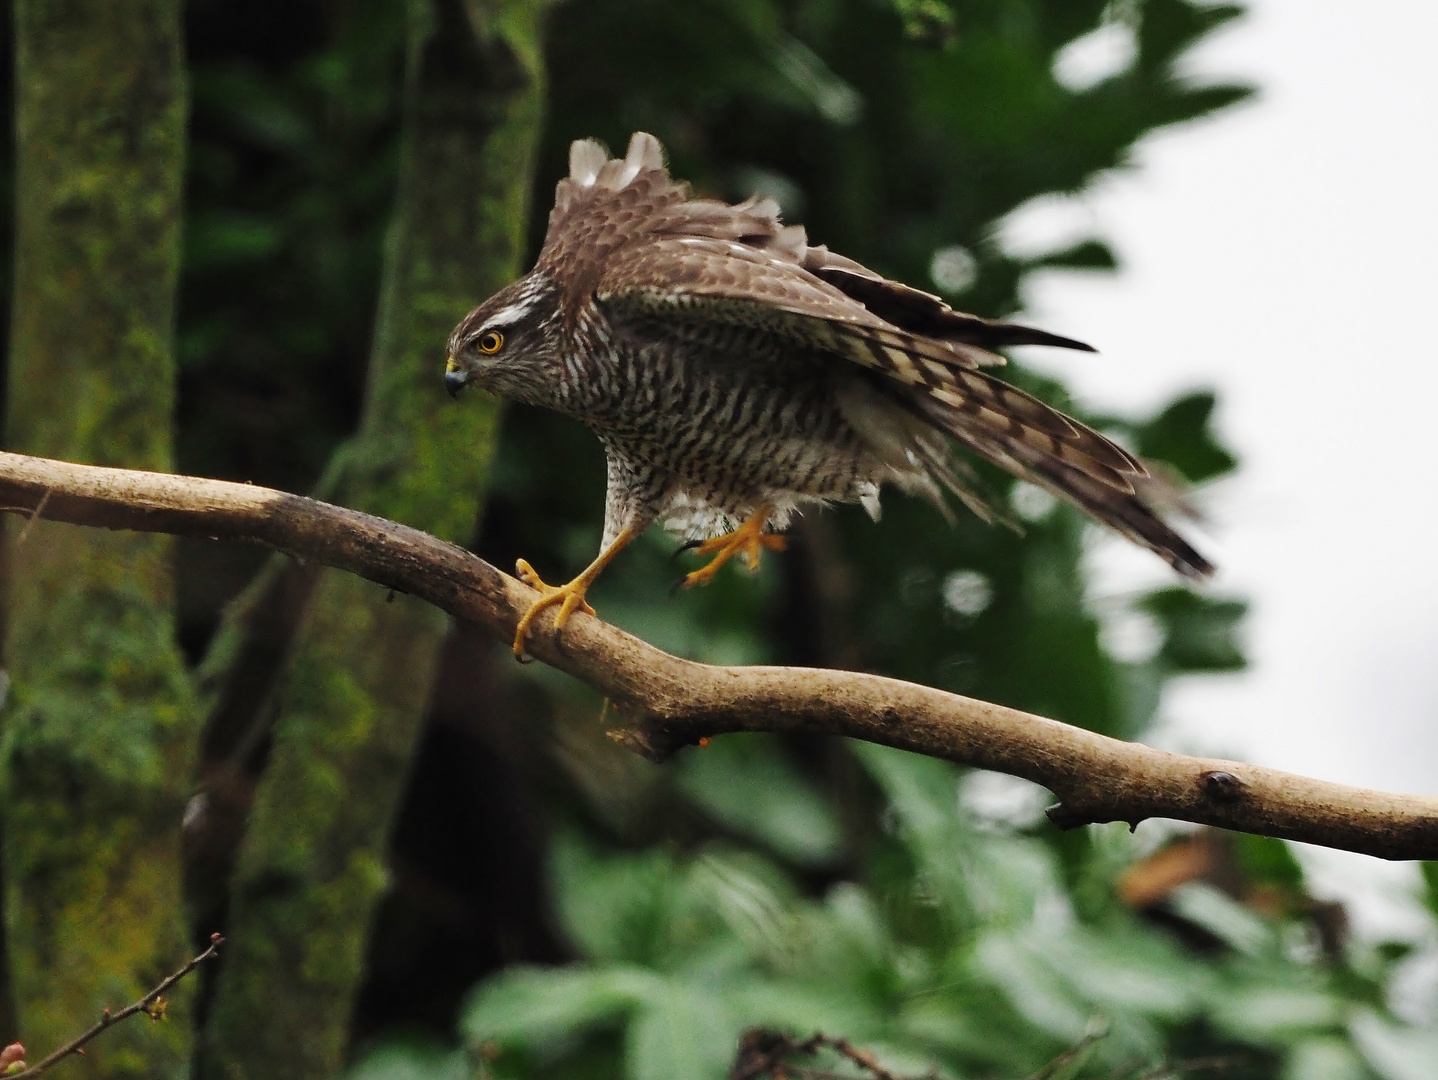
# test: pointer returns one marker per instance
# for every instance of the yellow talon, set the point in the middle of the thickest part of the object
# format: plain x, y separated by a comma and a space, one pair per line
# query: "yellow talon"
569, 597
749, 539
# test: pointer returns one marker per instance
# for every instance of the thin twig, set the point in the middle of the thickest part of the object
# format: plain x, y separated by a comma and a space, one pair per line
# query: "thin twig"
34, 517
150, 1004
772, 1061
1073, 1053
1193, 1065
783, 1047
665, 703
862, 1058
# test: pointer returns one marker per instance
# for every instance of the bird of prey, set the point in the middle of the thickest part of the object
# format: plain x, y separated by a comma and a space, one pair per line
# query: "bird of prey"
735, 373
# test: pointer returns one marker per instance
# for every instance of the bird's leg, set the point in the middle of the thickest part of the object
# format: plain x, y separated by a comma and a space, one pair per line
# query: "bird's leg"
749, 539
568, 597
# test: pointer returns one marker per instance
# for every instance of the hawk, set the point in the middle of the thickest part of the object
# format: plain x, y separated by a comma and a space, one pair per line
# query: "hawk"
735, 373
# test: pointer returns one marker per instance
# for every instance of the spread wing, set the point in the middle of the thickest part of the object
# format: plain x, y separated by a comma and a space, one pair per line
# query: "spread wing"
631, 238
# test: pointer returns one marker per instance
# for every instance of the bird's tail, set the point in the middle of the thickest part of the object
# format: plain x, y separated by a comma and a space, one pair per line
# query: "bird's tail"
1039, 444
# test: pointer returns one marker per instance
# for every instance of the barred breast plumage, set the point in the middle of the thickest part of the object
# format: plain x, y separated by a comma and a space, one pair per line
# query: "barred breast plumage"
734, 373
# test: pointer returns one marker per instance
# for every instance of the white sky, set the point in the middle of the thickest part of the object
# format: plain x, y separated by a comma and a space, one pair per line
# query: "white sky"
1286, 253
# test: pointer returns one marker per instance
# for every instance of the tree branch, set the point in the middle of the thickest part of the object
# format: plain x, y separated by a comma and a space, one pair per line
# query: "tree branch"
152, 1005
668, 703
764, 1052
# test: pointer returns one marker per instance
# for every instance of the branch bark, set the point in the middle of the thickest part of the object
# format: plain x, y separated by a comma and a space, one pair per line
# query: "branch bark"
668, 703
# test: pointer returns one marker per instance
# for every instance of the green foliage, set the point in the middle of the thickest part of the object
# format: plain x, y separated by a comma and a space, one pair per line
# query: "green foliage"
1198, 630
1430, 885
956, 946
1181, 437
754, 790
1268, 861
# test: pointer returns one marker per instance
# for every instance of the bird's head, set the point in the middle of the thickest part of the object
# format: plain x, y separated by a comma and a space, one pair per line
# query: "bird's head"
508, 344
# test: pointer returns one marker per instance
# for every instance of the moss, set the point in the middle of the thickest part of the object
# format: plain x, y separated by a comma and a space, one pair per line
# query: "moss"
311, 870
458, 231
99, 135
98, 734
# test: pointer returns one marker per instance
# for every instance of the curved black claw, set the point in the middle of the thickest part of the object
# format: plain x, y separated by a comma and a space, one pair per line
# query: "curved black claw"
674, 589
688, 545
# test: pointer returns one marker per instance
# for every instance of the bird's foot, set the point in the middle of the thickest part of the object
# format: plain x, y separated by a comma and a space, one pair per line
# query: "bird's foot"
569, 598
749, 540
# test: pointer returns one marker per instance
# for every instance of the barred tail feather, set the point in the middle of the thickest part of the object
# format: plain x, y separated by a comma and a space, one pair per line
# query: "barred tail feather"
963, 483
975, 403
1066, 470
1128, 515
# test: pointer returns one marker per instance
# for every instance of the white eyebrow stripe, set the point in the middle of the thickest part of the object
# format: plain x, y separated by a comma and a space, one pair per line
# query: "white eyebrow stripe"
511, 314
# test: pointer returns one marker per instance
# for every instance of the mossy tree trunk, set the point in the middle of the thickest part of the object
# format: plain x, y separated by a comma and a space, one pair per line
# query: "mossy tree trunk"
99, 733
310, 871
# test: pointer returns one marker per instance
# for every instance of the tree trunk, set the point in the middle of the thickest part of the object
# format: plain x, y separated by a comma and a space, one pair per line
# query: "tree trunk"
99, 735
310, 870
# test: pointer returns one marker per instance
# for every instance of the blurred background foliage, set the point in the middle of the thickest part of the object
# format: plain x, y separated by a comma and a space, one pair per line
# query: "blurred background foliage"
558, 908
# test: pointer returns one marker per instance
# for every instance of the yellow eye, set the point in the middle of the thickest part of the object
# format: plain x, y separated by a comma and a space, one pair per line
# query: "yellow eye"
491, 343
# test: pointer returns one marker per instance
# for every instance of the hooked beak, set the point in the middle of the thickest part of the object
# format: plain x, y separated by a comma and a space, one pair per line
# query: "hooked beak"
455, 378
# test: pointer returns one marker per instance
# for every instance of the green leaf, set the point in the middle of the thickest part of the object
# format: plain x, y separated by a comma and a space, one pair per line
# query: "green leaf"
614, 908
743, 893
831, 97
1182, 435
1429, 870
1267, 860
1225, 918
1085, 255
1269, 1014
954, 1025
853, 918
1395, 1052
1127, 971
685, 1034
403, 1061
747, 784
1201, 633
923, 797
799, 1007
1031, 985
534, 1006
1324, 1059
847, 942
